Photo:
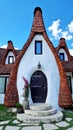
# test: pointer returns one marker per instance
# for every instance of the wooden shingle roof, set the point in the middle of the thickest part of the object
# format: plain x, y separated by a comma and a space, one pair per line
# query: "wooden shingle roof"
62, 44
5, 69
2, 52
68, 66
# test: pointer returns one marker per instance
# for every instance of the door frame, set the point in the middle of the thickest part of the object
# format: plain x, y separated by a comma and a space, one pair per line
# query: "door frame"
41, 87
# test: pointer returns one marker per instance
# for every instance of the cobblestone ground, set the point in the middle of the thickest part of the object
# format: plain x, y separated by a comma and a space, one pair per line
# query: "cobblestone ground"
16, 125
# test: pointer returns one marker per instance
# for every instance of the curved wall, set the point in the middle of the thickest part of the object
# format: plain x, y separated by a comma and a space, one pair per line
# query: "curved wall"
28, 65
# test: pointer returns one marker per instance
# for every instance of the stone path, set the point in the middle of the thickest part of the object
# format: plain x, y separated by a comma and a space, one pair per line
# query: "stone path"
16, 125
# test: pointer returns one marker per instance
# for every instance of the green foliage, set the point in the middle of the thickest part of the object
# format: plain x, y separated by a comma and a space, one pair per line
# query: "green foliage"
5, 114
3, 108
26, 92
18, 105
68, 114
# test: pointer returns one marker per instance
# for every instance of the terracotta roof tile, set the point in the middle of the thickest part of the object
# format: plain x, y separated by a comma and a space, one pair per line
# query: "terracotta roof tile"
62, 44
5, 69
38, 24
68, 65
3, 53
10, 47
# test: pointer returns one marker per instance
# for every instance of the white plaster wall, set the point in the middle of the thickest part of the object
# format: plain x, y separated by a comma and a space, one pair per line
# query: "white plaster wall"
9, 54
2, 98
28, 65
63, 51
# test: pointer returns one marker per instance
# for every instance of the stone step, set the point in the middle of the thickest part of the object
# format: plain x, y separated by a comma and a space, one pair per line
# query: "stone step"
40, 106
37, 119
41, 113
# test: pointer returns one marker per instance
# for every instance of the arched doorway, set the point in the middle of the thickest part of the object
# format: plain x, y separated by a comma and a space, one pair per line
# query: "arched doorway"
38, 87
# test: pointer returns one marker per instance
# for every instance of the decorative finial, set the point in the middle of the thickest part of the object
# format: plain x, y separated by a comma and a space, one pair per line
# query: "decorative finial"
39, 65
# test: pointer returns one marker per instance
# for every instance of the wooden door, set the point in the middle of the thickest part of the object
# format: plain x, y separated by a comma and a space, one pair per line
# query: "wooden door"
38, 87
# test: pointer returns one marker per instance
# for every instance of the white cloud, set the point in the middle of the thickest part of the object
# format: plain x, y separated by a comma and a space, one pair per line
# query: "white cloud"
58, 32
66, 35
4, 46
72, 44
71, 51
70, 27
54, 28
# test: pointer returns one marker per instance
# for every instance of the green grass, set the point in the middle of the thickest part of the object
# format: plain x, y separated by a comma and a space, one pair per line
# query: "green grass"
5, 114
68, 114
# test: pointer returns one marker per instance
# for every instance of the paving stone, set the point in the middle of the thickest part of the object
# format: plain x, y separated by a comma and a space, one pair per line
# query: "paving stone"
16, 122
50, 127
25, 124
70, 128
62, 124
4, 122
12, 128
1, 127
14, 110
68, 119
32, 128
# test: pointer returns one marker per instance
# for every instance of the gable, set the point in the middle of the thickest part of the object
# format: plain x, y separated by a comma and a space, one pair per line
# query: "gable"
46, 55
62, 48
29, 64
9, 51
62, 51
10, 54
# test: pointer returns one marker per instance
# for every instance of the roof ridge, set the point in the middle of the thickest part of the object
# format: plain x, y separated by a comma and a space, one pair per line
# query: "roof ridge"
38, 24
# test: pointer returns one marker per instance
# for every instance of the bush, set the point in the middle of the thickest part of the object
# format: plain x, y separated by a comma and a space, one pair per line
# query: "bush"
18, 105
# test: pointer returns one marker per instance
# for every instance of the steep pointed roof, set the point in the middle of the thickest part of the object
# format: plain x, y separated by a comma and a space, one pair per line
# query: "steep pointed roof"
38, 24
62, 44
38, 27
10, 47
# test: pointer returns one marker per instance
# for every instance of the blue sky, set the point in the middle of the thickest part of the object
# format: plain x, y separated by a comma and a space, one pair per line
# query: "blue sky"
16, 17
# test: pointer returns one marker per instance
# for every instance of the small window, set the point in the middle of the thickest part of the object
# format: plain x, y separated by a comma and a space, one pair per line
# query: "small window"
3, 84
38, 47
69, 82
10, 60
61, 55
